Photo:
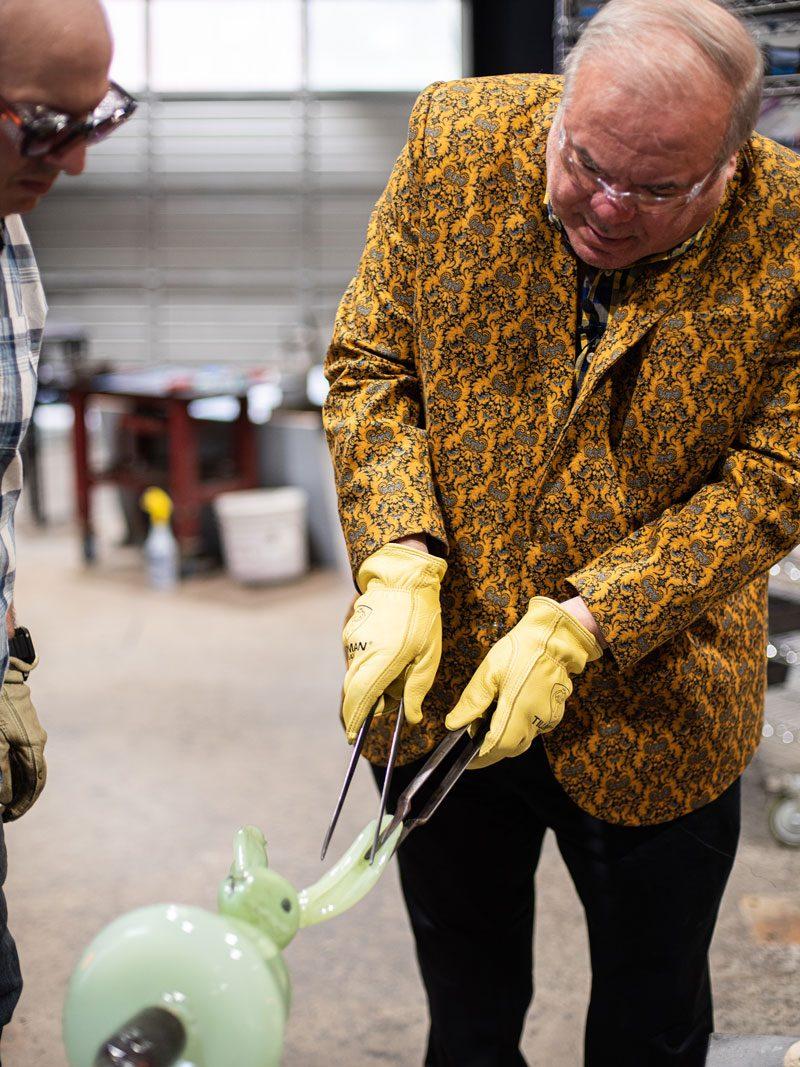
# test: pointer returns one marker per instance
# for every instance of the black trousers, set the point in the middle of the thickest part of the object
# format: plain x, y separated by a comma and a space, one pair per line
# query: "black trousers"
10, 976
651, 896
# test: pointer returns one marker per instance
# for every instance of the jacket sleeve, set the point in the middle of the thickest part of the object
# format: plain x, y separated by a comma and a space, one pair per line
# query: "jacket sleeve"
658, 580
374, 414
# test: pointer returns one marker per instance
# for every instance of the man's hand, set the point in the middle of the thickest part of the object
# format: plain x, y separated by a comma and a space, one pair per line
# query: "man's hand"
393, 639
23, 771
527, 673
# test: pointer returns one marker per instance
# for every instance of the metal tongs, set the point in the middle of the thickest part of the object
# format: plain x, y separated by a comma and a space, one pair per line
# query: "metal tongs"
462, 745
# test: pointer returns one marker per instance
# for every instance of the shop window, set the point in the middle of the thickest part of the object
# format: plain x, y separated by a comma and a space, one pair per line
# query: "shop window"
383, 45
128, 20
238, 45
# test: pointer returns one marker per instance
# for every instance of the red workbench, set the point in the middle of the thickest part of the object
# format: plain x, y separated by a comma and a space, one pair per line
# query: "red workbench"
166, 402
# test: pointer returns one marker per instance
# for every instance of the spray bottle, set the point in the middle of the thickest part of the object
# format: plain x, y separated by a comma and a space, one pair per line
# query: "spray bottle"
160, 547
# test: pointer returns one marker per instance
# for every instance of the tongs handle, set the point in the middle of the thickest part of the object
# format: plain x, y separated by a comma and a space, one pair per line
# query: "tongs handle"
474, 734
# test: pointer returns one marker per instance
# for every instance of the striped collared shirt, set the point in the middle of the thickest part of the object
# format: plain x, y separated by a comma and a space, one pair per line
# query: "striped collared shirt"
22, 316
602, 291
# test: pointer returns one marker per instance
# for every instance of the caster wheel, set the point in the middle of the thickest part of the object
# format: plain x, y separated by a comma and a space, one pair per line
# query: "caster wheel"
784, 821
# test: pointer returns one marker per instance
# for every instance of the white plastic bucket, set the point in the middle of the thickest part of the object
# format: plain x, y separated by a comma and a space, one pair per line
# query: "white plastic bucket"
263, 533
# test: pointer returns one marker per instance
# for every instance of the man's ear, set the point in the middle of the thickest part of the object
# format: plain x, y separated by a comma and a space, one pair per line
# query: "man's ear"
730, 167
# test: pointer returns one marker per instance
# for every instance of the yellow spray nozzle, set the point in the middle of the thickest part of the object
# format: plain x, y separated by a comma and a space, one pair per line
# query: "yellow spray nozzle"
157, 504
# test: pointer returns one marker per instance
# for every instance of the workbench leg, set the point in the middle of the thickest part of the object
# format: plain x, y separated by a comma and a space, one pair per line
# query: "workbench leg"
82, 475
244, 445
184, 475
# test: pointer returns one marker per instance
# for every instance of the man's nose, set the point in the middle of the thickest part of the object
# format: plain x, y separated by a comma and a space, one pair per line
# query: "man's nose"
612, 209
71, 161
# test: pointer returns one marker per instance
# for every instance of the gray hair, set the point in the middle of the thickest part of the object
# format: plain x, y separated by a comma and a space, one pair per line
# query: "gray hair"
703, 35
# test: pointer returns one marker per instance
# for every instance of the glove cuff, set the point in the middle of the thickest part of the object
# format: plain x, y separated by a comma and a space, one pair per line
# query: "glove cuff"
576, 645
401, 567
18, 669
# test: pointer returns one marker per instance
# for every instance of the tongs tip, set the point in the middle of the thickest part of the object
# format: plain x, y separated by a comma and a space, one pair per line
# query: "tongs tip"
351, 767
325, 843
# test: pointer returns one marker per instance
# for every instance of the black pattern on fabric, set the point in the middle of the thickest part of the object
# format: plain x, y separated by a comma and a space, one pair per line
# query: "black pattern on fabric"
603, 291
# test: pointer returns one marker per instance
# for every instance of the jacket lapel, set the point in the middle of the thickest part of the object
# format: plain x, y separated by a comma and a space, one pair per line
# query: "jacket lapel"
655, 294
554, 279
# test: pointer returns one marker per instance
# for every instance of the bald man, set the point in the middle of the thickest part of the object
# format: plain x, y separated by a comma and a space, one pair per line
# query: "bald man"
55, 100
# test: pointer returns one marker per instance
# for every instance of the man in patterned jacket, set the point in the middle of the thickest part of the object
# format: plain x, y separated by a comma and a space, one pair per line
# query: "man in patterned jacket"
565, 423
55, 100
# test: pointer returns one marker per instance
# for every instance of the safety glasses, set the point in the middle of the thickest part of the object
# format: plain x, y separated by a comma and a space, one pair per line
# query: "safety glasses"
37, 130
588, 179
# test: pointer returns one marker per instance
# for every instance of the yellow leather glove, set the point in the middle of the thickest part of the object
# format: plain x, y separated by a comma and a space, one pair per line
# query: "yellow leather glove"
528, 674
394, 634
23, 771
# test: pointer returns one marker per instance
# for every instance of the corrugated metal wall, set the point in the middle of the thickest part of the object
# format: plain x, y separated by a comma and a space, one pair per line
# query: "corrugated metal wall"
214, 230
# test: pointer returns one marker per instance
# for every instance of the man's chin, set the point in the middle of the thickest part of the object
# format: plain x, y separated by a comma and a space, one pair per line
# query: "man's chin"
19, 202
602, 262
594, 255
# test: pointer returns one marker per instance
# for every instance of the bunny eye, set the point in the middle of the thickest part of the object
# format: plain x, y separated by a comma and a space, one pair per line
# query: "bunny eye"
286, 904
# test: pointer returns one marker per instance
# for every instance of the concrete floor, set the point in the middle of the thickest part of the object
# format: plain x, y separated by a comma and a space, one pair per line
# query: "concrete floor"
175, 718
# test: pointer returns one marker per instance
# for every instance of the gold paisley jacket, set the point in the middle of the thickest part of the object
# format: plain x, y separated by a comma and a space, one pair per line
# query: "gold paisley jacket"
662, 495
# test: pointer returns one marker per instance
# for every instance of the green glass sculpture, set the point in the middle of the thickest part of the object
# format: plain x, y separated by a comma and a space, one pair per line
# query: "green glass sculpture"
205, 990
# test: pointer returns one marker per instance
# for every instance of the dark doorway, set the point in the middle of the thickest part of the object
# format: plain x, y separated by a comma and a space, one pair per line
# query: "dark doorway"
512, 36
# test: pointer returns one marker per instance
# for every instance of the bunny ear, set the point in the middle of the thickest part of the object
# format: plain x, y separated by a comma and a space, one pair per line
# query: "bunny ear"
249, 852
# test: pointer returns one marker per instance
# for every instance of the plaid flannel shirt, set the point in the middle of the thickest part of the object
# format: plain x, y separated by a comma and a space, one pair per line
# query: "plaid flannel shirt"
21, 324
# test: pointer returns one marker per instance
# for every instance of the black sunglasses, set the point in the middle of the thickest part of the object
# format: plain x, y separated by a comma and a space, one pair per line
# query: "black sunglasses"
37, 130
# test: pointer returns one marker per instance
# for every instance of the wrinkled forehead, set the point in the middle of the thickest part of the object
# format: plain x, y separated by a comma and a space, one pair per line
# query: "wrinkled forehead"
624, 124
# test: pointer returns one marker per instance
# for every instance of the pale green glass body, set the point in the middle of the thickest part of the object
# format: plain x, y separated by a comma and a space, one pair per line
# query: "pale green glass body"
222, 975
